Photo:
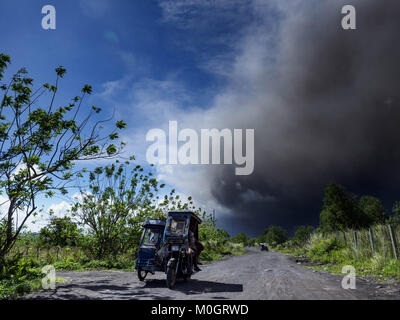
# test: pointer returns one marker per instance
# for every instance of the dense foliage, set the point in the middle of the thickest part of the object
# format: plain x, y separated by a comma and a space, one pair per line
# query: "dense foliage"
273, 236
302, 235
61, 232
342, 210
241, 238
39, 146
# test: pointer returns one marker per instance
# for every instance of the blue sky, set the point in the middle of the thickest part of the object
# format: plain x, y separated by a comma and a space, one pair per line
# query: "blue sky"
135, 54
101, 40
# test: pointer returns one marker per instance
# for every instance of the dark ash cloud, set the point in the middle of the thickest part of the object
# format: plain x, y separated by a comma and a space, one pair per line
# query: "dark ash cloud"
325, 105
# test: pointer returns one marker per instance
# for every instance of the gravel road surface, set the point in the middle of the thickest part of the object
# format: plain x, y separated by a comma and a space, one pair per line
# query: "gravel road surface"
255, 275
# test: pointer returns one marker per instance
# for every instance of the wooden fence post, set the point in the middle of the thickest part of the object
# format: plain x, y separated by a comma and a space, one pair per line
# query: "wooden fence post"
394, 241
355, 239
371, 238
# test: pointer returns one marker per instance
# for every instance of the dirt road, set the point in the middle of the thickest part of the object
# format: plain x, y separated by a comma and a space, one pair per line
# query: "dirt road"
253, 276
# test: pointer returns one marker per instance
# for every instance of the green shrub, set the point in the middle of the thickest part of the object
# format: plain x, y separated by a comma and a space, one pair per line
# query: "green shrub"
67, 265
326, 250
18, 277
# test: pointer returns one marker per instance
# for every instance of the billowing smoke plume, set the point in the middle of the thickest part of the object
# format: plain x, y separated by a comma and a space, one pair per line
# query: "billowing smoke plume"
325, 105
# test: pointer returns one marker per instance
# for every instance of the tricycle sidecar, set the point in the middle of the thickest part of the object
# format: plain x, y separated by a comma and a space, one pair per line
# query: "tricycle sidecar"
150, 243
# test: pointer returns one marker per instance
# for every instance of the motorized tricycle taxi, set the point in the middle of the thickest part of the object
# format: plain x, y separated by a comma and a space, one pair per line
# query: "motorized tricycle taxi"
167, 246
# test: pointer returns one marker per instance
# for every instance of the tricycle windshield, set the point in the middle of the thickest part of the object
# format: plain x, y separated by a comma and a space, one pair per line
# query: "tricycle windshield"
151, 236
176, 225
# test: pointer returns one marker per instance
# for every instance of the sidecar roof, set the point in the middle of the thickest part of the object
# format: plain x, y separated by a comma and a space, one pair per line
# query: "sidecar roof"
190, 214
149, 223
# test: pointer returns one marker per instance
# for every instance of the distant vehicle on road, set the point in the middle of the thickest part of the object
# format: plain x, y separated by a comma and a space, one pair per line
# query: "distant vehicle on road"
263, 247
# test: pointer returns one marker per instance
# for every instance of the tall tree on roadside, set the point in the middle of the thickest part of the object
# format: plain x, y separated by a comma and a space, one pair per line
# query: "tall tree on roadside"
396, 207
241, 238
114, 202
39, 146
208, 229
303, 234
341, 210
274, 235
60, 232
373, 208
395, 217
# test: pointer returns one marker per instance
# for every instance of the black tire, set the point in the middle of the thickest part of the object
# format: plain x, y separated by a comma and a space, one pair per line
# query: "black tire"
141, 274
186, 274
171, 274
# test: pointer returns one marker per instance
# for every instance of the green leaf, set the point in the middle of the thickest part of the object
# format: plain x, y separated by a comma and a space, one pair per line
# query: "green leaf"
61, 71
111, 149
113, 136
87, 89
121, 124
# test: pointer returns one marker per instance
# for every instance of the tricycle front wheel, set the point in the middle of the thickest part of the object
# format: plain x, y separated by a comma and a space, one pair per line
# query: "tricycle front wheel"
171, 273
141, 274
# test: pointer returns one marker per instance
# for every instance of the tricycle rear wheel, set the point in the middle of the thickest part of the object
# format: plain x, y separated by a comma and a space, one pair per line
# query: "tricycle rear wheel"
141, 274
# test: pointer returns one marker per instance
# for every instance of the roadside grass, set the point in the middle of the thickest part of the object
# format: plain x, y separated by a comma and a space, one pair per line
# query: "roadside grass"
21, 271
330, 253
19, 277
15, 288
214, 250
21, 274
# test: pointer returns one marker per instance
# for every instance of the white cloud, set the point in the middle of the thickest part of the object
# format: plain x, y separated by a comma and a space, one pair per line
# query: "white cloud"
60, 209
247, 101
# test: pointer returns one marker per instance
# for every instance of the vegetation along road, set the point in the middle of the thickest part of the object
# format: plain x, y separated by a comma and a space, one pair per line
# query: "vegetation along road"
252, 276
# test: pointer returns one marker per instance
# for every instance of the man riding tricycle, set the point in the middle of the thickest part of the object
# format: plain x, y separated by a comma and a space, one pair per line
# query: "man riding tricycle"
174, 250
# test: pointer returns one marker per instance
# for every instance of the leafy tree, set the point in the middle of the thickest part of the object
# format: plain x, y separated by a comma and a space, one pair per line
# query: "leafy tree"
373, 209
39, 146
60, 232
208, 229
340, 210
302, 234
396, 207
274, 235
395, 217
118, 198
241, 238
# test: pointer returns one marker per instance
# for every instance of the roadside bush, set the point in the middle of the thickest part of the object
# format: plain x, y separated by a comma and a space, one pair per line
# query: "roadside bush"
274, 236
241, 238
301, 236
17, 277
325, 250
60, 232
214, 250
